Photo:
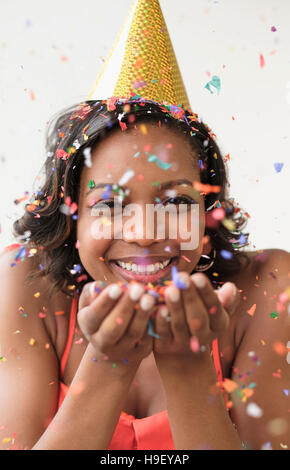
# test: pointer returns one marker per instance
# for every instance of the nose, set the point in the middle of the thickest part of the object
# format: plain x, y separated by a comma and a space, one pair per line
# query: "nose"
141, 227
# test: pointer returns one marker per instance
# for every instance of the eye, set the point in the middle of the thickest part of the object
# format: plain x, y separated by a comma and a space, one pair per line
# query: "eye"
109, 203
180, 200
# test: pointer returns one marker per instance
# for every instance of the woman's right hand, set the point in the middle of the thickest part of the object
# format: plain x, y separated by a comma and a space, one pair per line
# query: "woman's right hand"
112, 324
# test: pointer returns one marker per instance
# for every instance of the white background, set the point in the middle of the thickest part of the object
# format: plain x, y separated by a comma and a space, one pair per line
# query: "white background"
55, 49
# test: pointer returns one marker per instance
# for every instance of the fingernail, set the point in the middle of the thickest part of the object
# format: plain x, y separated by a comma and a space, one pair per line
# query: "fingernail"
115, 291
163, 311
147, 302
199, 281
92, 288
184, 280
136, 291
173, 293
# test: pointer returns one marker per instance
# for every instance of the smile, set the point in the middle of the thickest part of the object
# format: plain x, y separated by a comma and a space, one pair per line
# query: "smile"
144, 272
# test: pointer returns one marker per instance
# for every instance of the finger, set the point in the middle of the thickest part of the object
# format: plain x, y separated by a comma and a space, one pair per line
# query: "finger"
229, 297
114, 325
195, 310
178, 322
91, 316
162, 324
218, 317
89, 292
139, 322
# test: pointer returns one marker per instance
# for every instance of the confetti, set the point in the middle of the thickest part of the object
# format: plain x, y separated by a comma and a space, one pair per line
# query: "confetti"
254, 410
274, 314
252, 310
126, 177
278, 167
186, 259
214, 82
226, 254
160, 163
229, 385
262, 61
31, 342
194, 344
87, 155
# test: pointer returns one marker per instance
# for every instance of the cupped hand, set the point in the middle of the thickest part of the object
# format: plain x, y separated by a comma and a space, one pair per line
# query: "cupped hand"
115, 321
192, 317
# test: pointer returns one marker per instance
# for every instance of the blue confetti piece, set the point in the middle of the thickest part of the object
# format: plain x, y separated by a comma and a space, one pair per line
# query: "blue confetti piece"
160, 163
176, 280
226, 254
150, 331
136, 154
278, 167
125, 360
218, 204
242, 239
41, 267
286, 392
21, 253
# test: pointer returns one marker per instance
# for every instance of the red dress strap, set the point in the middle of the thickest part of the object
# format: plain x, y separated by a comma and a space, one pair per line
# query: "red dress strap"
72, 322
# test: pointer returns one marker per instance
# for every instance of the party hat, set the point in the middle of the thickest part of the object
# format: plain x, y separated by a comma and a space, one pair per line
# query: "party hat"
142, 60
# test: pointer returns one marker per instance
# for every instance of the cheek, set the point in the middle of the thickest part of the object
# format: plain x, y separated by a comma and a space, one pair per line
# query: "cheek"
92, 244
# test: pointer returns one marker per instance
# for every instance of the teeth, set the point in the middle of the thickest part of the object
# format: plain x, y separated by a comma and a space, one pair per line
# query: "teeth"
142, 269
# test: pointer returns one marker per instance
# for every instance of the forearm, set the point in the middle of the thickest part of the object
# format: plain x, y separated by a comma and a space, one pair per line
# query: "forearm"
196, 410
91, 409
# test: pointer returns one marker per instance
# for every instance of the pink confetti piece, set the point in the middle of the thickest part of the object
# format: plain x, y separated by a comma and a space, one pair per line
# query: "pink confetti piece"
119, 320
213, 310
262, 61
186, 259
194, 344
79, 341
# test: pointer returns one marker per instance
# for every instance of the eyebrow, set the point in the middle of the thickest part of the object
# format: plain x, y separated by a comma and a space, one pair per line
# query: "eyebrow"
160, 186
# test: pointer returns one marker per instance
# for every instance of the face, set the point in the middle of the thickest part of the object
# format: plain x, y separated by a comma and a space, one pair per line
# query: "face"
101, 256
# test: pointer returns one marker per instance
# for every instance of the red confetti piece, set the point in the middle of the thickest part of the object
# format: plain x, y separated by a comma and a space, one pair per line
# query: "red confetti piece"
31, 95
262, 61
42, 315
213, 310
123, 125
59, 312
73, 207
186, 259
61, 154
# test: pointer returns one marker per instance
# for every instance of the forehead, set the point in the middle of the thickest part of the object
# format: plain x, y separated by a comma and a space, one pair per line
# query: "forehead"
153, 151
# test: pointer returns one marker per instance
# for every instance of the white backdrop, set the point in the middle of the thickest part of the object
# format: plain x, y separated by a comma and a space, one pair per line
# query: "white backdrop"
51, 53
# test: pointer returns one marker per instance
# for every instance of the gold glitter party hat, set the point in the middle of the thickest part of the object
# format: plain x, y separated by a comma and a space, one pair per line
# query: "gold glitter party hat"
142, 60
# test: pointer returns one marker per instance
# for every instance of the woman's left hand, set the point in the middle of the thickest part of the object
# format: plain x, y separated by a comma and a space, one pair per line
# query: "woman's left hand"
192, 318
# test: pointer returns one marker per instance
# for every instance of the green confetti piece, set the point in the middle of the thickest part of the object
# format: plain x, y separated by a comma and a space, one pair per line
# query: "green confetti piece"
91, 184
274, 314
114, 364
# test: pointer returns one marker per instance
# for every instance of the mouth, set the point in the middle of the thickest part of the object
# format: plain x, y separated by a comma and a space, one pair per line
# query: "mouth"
146, 272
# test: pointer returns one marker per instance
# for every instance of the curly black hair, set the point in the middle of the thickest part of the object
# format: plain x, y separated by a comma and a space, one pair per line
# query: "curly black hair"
50, 226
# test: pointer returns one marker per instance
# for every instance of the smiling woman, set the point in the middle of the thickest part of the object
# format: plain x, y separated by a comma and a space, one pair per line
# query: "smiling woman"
86, 145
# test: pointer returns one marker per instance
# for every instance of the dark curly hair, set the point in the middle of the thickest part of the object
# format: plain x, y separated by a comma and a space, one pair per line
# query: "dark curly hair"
50, 228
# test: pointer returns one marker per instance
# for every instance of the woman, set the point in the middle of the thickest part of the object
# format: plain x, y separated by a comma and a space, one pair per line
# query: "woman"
112, 368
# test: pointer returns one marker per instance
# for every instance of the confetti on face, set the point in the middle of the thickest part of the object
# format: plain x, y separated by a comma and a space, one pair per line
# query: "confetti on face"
126, 177
252, 310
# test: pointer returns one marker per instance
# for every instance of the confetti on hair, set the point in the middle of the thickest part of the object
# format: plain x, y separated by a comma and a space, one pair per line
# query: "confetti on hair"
254, 410
88, 157
206, 188
160, 163
61, 154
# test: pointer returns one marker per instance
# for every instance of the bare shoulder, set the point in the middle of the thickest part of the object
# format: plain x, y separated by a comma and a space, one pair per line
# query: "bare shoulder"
34, 296
260, 284
261, 359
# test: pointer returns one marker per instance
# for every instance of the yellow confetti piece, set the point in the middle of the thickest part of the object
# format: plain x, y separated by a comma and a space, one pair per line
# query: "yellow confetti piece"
16, 332
3, 359
143, 129
36, 295
263, 342
33, 251
31, 341
229, 224
6, 439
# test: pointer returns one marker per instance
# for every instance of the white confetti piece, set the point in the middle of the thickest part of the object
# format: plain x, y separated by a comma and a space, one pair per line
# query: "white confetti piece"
126, 177
88, 158
254, 410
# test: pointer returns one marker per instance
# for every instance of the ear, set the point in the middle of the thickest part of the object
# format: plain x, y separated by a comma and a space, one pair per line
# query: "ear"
206, 245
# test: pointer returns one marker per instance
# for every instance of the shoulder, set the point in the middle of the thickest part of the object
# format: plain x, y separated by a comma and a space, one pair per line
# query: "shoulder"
261, 360
33, 294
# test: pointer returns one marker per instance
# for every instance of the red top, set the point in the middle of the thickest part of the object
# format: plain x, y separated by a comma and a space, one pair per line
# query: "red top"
151, 433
